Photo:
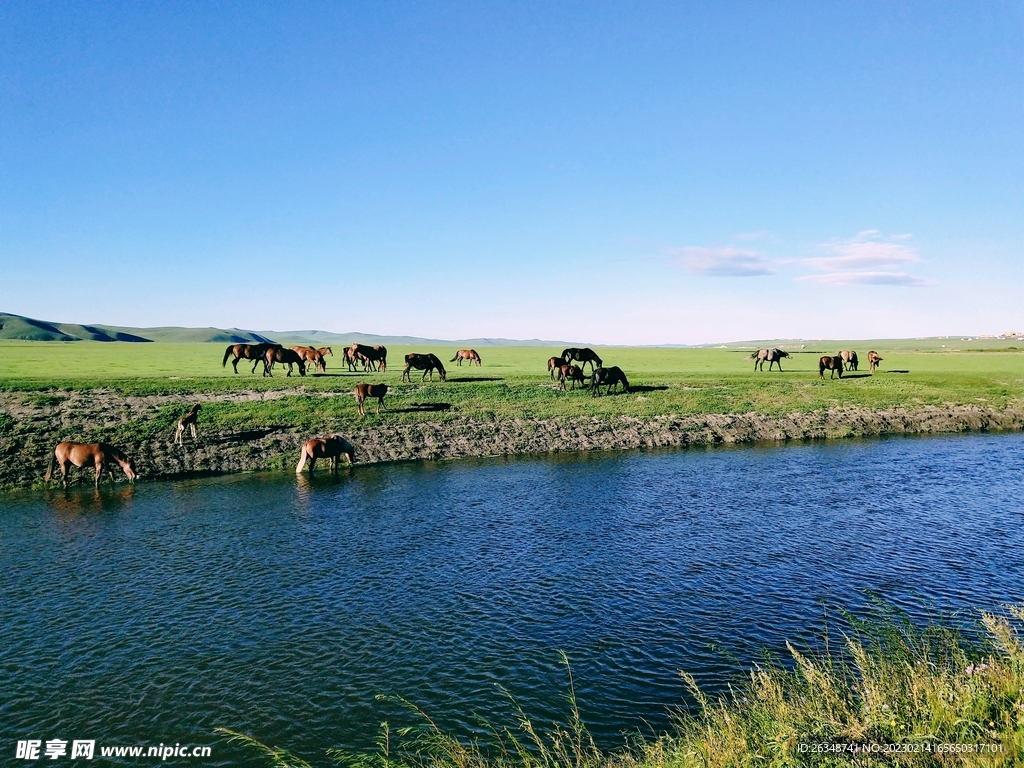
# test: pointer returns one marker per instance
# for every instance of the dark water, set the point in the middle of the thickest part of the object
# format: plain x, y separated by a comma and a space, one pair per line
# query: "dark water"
280, 608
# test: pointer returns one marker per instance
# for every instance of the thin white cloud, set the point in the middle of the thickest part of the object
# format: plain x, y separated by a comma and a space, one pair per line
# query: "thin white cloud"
761, 233
869, 278
867, 259
721, 262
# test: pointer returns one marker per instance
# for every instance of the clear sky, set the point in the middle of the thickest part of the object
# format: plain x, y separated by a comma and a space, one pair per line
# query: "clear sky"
632, 173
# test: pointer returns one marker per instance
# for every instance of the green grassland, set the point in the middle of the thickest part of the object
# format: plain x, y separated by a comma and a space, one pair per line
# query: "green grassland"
513, 382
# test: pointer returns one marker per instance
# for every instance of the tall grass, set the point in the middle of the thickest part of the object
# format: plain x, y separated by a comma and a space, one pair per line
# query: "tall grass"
925, 689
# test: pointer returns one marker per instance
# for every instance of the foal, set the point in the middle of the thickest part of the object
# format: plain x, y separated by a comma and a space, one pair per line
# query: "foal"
363, 391
188, 420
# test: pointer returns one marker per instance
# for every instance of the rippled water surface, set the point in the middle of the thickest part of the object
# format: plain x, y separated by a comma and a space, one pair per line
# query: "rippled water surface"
281, 607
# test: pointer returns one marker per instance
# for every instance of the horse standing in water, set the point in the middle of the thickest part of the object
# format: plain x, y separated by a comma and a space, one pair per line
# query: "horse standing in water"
325, 448
466, 354
873, 361
850, 358
98, 455
364, 391
427, 363
771, 356
188, 420
582, 355
834, 364
611, 376
254, 352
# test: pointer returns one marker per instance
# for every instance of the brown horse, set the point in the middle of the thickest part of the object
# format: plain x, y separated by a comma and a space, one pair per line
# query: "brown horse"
771, 356
466, 354
376, 356
611, 376
364, 391
188, 420
571, 372
312, 356
325, 448
873, 360
284, 356
582, 355
850, 358
833, 364
427, 363
254, 352
99, 455
350, 359
555, 364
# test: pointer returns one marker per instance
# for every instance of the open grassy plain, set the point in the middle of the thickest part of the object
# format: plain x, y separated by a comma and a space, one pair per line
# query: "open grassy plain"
131, 393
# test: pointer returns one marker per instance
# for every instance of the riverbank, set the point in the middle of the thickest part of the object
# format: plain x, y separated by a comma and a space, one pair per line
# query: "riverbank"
143, 426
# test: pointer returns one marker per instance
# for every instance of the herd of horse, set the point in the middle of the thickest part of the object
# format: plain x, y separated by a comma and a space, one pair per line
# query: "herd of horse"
569, 366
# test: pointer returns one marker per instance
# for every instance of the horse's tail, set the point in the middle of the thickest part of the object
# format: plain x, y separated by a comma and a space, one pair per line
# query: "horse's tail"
49, 470
227, 354
454, 358
302, 462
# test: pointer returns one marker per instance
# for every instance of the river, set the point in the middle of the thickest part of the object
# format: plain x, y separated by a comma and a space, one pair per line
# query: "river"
280, 607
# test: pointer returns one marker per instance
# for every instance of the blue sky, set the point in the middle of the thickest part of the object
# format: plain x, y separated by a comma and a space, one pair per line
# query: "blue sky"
610, 172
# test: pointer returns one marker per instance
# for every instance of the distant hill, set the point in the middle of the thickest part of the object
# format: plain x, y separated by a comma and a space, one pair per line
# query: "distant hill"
27, 329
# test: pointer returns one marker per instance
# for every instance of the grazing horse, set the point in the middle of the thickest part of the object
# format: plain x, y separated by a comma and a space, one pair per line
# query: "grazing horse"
376, 356
325, 448
466, 354
188, 420
773, 356
364, 391
571, 372
283, 356
427, 363
833, 364
582, 356
254, 352
313, 356
555, 364
873, 360
611, 376
850, 358
98, 455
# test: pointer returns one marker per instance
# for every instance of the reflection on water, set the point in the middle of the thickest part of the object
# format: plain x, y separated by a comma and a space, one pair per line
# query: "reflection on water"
281, 605
73, 501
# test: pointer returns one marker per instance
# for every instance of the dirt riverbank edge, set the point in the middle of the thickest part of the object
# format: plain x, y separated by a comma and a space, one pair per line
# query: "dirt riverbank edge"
30, 429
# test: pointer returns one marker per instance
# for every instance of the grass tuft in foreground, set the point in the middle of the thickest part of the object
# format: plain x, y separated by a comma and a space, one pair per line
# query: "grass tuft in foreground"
942, 699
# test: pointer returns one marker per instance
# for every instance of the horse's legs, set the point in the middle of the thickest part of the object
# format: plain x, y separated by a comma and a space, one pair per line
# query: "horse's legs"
312, 464
193, 426
64, 467
99, 471
234, 364
255, 362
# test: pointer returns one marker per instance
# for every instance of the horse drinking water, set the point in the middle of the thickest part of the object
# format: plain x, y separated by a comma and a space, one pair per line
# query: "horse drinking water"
325, 448
99, 455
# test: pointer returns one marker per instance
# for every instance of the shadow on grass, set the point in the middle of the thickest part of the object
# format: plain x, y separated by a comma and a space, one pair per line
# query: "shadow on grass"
898, 371
645, 388
857, 376
423, 408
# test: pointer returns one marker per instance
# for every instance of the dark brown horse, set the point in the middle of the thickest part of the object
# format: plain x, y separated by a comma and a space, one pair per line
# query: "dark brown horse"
376, 357
582, 355
771, 356
607, 376
555, 364
284, 356
325, 448
364, 391
427, 363
98, 455
571, 372
466, 354
188, 420
850, 358
834, 364
254, 352
873, 360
